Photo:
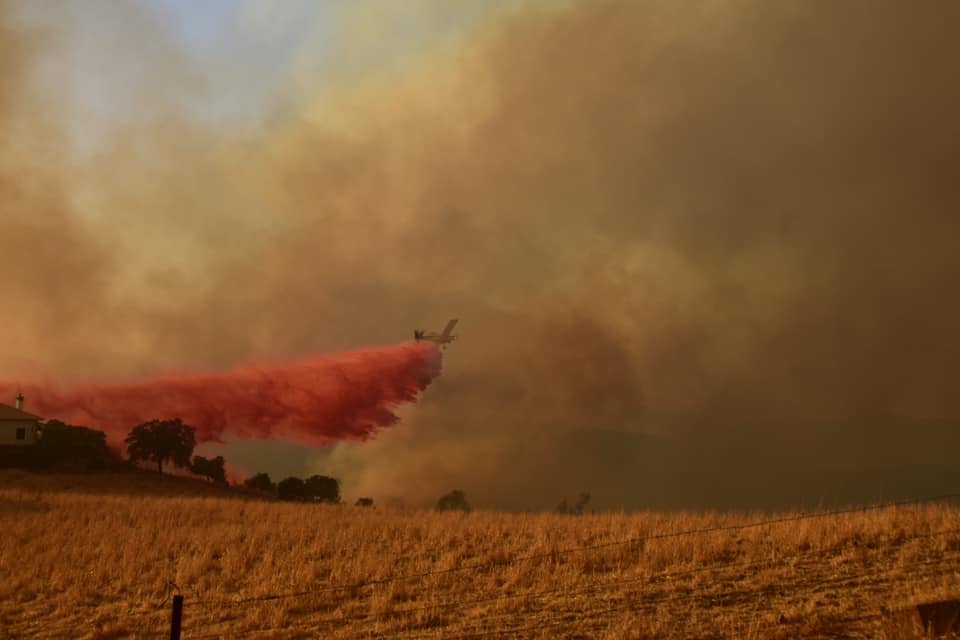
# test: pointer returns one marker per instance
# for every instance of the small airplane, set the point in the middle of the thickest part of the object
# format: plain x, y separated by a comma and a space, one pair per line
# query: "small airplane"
443, 339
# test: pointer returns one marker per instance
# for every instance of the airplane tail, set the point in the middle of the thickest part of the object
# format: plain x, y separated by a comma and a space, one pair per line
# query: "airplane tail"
449, 328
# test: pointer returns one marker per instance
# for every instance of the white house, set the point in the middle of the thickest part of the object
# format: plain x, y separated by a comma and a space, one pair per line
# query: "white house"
17, 427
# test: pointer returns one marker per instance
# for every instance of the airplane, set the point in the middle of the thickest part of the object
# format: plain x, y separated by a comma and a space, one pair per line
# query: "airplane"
443, 338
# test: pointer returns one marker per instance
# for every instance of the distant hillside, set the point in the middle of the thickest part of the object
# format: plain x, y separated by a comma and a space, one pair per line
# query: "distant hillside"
794, 468
130, 481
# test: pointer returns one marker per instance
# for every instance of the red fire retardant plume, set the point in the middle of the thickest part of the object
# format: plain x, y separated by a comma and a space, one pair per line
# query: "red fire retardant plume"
314, 401
235, 474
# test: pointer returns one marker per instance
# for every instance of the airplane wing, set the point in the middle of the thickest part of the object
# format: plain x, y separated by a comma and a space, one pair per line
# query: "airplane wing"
449, 328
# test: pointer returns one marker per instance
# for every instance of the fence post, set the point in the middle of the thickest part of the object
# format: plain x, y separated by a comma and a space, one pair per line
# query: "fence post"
176, 618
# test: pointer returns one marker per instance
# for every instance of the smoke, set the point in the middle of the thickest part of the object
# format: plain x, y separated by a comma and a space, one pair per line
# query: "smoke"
235, 474
314, 401
727, 225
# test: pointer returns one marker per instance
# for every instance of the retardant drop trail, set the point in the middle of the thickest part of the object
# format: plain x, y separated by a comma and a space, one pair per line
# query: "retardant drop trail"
315, 401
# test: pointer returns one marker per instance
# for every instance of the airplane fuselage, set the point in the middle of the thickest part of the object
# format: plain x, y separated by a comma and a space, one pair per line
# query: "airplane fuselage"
443, 339
434, 337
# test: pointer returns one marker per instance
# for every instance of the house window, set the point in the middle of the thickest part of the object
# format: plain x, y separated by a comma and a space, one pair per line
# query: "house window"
21, 433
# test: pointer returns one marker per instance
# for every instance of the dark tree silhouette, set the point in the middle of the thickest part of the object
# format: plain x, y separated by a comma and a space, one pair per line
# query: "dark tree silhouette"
260, 482
322, 489
364, 502
162, 441
64, 444
291, 489
209, 468
577, 509
582, 501
456, 500
313, 489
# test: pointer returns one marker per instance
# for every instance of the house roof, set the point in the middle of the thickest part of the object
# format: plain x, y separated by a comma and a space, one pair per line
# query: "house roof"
12, 413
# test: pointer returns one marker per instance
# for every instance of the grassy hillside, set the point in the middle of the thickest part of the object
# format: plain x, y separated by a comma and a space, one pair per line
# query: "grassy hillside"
79, 561
123, 482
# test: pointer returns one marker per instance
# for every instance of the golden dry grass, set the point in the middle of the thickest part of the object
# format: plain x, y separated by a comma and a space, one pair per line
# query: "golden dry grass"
79, 558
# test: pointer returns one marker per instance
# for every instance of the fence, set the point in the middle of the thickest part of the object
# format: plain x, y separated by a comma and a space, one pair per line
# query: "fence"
543, 618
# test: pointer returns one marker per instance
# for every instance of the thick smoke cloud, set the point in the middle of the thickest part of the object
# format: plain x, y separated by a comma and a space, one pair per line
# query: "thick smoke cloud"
730, 227
730, 224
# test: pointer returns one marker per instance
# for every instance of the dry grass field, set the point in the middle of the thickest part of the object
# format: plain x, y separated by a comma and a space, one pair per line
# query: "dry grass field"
91, 557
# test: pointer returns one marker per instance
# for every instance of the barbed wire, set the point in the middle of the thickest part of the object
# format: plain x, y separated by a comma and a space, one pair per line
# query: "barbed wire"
171, 586
554, 553
569, 550
845, 581
595, 588
552, 621
837, 582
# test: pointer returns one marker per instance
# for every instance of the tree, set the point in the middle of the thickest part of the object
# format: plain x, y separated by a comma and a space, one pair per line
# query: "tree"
322, 489
456, 500
581, 503
67, 444
162, 441
313, 489
364, 502
577, 509
291, 489
260, 482
209, 468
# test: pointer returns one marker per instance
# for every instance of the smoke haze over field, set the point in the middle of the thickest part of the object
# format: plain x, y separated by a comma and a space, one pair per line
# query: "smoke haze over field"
728, 225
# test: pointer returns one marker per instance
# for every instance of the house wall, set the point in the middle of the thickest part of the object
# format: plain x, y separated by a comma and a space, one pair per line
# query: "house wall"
8, 432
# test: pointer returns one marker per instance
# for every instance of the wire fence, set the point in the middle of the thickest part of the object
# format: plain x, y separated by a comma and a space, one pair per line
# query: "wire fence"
540, 620
854, 578
634, 541
597, 587
499, 623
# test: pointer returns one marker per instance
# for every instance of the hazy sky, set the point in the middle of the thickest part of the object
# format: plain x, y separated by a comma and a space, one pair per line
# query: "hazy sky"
243, 60
235, 56
210, 27
688, 242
